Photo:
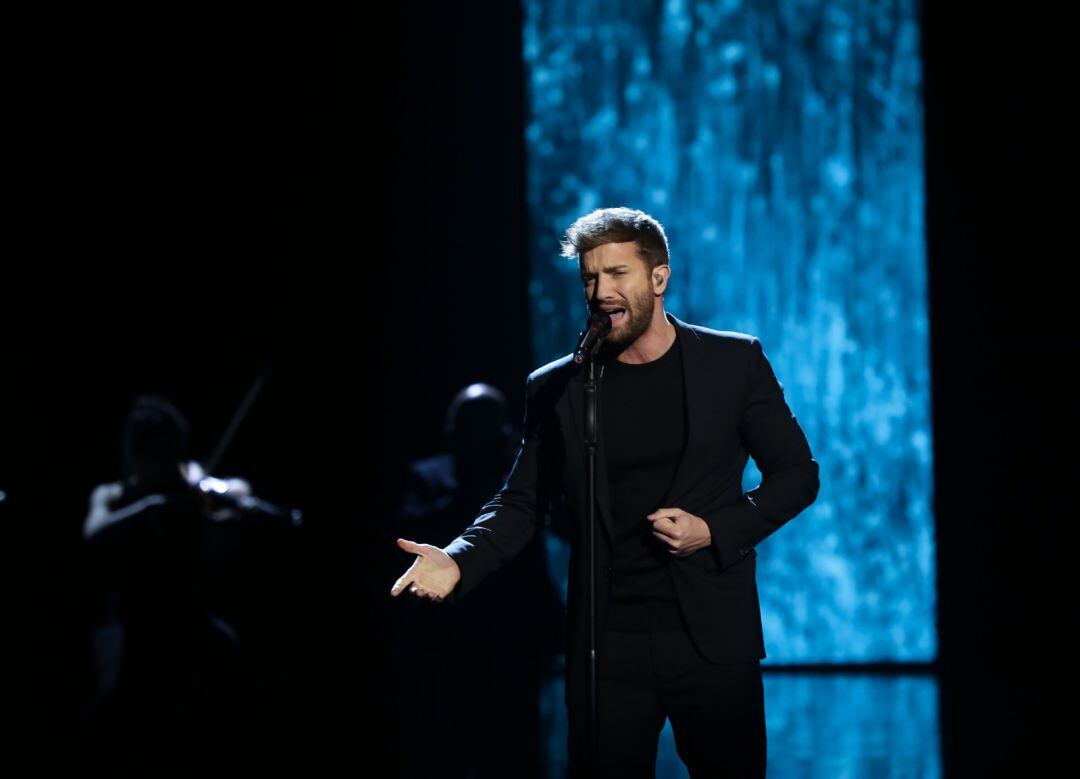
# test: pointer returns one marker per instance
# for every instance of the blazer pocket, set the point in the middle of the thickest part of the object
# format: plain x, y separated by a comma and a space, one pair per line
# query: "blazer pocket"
711, 563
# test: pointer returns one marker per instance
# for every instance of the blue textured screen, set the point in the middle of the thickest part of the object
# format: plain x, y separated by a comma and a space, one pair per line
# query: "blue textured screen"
780, 145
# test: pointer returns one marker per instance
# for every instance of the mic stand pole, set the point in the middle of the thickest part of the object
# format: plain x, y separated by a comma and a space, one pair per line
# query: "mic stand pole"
591, 442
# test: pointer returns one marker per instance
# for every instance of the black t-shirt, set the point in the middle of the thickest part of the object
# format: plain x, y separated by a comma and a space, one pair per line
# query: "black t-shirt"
643, 426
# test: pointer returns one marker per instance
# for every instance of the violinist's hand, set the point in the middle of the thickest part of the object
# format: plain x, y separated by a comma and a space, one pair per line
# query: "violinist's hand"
101, 514
433, 574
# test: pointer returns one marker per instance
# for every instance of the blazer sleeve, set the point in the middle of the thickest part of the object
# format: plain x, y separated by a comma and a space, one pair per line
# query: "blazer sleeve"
789, 474
507, 522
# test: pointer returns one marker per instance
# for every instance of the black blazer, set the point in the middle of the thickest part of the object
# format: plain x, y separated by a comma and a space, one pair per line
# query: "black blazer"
735, 408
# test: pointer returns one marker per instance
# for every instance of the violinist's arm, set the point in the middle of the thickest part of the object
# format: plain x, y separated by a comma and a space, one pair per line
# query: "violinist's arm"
102, 515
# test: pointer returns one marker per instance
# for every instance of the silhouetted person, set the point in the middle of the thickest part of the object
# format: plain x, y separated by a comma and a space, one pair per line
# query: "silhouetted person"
474, 671
168, 689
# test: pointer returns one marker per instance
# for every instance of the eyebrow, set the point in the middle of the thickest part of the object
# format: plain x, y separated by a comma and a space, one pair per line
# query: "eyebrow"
586, 274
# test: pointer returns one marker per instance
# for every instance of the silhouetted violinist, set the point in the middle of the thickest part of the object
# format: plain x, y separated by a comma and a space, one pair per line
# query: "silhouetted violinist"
165, 551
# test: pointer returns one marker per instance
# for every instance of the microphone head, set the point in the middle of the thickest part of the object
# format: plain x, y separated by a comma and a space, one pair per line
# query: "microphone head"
600, 320
598, 326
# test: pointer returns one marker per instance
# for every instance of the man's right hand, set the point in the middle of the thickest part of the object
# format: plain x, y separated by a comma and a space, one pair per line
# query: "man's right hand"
433, 574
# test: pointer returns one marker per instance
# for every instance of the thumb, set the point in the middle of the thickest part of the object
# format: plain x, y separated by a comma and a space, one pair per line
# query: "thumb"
409, 546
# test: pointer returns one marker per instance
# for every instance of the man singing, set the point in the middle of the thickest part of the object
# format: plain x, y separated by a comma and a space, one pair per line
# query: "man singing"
681, 408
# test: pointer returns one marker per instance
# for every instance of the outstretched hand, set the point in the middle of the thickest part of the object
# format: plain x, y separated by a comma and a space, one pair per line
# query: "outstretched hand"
433, 574
682, 532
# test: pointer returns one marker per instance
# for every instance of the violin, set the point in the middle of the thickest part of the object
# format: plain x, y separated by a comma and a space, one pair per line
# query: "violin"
229, 499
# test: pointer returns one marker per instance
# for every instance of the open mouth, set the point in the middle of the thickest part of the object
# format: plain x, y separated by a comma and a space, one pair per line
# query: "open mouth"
617, 315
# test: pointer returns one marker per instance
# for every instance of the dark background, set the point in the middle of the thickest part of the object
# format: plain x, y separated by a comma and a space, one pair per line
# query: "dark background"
186, 196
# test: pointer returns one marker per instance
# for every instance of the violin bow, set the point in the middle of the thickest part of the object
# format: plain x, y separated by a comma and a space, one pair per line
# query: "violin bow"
238, 417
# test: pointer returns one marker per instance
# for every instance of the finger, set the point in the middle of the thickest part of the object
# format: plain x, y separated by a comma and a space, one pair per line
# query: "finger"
410, 546
666, 528
665, 540
417, 589
669, 512
672, 549
400, 585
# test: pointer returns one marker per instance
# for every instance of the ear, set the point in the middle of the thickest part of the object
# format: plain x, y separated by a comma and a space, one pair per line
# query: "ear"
660, 275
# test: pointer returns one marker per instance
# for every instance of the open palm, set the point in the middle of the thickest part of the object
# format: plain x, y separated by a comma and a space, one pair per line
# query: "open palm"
433, 574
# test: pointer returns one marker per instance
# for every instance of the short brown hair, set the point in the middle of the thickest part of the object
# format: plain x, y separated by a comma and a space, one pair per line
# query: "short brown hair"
617, 225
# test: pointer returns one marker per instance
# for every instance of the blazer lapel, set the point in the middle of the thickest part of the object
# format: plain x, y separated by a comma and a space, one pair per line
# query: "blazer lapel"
695, 389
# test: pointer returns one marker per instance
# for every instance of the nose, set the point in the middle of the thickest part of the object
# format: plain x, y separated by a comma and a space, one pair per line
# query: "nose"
602, 291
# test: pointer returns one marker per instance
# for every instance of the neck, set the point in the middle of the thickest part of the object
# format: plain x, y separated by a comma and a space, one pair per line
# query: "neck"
653, 343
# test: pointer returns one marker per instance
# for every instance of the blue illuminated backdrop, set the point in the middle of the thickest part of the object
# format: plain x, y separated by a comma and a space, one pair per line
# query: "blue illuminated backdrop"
780, 144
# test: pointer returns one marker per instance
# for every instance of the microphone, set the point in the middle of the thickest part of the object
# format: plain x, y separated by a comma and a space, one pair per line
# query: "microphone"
598, 326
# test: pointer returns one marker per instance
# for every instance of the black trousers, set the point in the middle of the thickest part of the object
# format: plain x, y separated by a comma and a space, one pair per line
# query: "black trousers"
717, 712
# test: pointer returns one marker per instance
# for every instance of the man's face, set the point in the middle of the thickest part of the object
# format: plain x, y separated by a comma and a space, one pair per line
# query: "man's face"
616, 280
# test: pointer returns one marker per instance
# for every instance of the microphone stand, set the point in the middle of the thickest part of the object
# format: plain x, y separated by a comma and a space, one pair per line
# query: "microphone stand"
591, 442
598, 326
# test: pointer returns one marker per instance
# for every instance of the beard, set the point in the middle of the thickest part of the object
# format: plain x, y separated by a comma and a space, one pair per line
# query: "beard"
639, 314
